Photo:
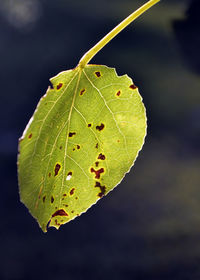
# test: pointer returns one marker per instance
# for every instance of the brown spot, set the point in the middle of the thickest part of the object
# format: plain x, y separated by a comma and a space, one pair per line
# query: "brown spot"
74, 149
101, 156
97, 145
76, 197
97, 163
132, 86
60, 212
82, 91
118, 141
66, 205
69, 173
57, 168
98, 74
60, 147
72, 211
100, 127
30, 136
59, 85
72, 134
78, 147
49, 174
72, 191
64, 194
102, 189
44, 197
97, 172
52, 199
89, 125
118, 93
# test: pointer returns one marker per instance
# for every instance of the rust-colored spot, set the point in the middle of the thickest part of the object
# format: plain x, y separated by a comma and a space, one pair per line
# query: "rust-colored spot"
133, 86
72, 191
89, 125
76, 197
118, 141
98, 74
102, 189
97, 145
30, 136
52, 199
100, 127
49, 174
72, 134
60, 212
97, 172
97, 163
72, 211
118, 93
59, 86
57, 168
44, 197
64, 194
82, 91
60, 147
78, 147
101, 156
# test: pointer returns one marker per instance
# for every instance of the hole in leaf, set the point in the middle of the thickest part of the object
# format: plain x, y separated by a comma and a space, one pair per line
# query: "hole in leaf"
69, 176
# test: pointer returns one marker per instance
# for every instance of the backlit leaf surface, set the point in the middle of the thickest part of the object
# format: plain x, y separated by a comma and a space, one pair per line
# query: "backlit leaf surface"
83, 137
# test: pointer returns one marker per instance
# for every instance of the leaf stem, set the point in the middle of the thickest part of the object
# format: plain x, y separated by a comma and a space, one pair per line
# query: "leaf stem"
105, 40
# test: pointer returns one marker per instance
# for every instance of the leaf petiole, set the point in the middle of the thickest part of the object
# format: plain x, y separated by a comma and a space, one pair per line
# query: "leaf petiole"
105, 40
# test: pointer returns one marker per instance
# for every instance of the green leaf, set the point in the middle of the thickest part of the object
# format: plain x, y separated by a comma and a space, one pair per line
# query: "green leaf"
83, 137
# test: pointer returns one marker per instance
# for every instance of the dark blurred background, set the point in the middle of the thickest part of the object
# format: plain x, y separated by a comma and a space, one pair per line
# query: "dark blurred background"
149, 226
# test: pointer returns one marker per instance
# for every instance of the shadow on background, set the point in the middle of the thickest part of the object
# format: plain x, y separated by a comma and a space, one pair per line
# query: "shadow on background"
149, 226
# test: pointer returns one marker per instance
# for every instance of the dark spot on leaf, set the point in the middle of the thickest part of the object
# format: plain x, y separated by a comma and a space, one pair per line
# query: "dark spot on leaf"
72, 191
64, 194
66, 205
118, 93
57, 168
89, 125
69, 173
72, 134
52, 199
44, 197
97, 163
101, 156
59, 85
49, 174
30, 136
98, 74
60, 147
72, 211
82, 91
60, 212
97, 145
78, 147
97, 172
76, 197
132, 86
56, 221
102, 189
100, 127
74, 149
118, 141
